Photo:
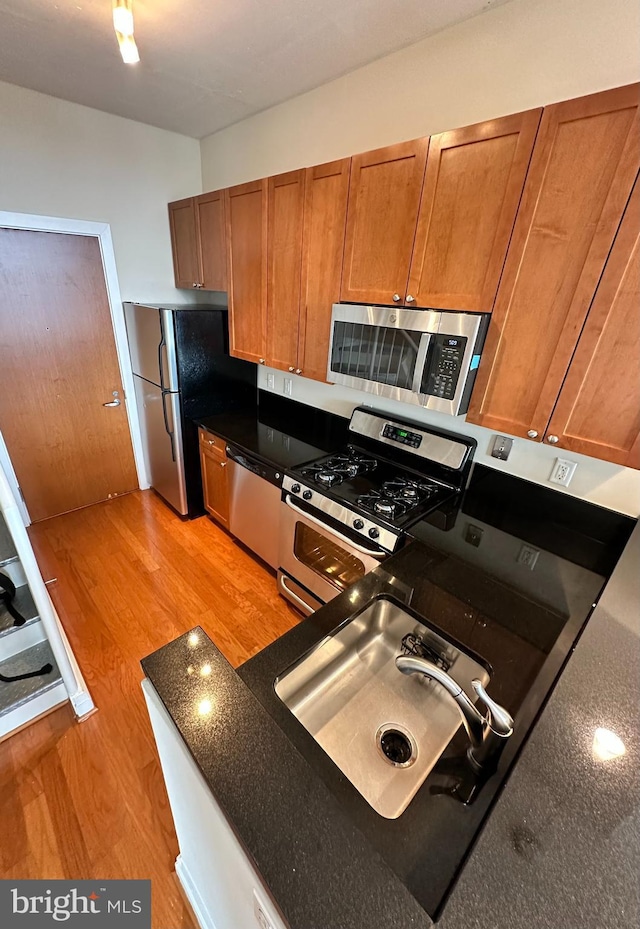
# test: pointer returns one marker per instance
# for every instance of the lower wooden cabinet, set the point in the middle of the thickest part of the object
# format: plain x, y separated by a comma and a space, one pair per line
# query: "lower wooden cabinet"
215, 486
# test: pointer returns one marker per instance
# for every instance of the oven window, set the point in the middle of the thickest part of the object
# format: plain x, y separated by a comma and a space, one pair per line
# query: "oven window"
326, 557
375, 353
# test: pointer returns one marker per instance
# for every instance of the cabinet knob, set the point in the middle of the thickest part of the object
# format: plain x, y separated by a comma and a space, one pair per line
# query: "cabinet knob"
211, 441
532, 434
194, 284
410, 299
223, 464
553, 439
262, 360
291, 368
298, 370
396, 298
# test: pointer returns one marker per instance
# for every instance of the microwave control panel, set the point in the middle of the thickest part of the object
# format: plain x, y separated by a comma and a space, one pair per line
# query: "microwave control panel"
442, 371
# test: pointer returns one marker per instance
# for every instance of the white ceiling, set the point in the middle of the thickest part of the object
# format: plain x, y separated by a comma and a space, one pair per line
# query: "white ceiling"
207, 63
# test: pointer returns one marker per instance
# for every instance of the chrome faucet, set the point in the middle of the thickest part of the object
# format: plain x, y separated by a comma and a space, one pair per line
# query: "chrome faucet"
487, 734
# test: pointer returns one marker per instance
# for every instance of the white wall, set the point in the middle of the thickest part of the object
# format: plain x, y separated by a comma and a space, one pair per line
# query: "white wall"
65, 160
521, 55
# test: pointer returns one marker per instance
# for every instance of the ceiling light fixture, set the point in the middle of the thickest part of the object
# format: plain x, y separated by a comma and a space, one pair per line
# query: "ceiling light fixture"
123, 25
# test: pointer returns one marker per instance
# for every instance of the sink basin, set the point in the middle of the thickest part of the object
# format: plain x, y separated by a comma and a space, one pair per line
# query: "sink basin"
385, 730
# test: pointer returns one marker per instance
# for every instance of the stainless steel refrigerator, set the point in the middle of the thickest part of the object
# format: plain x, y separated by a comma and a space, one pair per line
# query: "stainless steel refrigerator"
182, 371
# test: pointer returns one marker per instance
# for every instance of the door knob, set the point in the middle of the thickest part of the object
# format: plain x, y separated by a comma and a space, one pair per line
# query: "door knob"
532, 434
410, 299
553, 439
396, 298
115, 401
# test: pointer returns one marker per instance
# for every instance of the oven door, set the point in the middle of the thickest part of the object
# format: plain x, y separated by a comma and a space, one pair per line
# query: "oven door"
318, 557
380, 349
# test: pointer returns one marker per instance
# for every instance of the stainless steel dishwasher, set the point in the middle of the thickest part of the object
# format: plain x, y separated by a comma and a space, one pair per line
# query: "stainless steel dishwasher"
254, 503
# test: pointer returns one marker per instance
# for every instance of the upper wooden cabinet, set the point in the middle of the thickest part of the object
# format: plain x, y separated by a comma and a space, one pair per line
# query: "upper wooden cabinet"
325, 214
198, 241
182, 223
583, 168
384, 196
246, 217
472, 188
284, 249
598, 411
211, 238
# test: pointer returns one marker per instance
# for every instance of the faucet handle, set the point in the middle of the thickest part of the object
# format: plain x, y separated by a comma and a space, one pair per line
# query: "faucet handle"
501, 721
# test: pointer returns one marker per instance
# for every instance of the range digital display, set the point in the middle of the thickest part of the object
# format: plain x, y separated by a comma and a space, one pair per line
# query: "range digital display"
403, 436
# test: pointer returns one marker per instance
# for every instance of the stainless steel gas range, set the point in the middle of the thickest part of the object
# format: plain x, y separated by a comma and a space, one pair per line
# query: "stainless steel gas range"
343, 514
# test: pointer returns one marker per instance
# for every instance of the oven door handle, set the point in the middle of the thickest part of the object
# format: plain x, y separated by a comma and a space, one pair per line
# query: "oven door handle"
421, 359
329, 529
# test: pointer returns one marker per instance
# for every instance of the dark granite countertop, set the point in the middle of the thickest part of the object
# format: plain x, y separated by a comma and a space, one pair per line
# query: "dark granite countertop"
327, 857
279, 431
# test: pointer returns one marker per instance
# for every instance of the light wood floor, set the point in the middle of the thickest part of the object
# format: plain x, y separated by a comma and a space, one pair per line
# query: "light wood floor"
87, 800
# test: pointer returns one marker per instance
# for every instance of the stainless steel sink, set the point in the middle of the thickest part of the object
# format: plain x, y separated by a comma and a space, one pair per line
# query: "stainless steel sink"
385, 730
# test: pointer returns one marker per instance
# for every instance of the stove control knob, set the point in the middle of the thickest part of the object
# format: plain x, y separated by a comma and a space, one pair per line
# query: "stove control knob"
373, 533
295, 488
358, 524
306, 495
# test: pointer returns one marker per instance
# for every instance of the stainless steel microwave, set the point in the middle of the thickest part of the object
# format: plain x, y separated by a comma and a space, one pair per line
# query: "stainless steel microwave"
426, 357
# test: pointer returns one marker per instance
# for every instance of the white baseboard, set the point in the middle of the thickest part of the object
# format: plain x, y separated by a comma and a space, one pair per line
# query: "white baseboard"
205, 920
23, 714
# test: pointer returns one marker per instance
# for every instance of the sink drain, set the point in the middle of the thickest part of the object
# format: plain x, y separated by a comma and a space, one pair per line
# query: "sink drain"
396, 745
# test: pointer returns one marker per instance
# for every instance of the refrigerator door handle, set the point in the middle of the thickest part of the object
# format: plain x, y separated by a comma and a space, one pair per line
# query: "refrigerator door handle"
161, 349
166, 424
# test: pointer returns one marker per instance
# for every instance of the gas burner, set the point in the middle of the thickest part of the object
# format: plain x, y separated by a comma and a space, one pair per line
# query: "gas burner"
328, 478
390, 508
350, 464
408, 490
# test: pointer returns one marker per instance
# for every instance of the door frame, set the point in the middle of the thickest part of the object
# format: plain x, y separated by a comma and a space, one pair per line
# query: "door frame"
102, 231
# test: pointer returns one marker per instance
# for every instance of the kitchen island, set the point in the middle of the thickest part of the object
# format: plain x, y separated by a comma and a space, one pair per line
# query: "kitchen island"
326, 859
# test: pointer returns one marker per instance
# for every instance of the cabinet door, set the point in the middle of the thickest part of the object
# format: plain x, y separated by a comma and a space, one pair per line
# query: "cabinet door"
583, 168
182, 222
246, 219
286, 212
598, 411
214, 485
384, 196
211, 237
326, 192
472, 188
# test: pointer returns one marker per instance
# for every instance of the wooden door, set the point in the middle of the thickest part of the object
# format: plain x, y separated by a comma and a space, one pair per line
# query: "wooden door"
59, 368
286, 213
472, 188
211, 240
246, 219
325, 215
384, 196
583, 168
184, 243
215, 486
598, 411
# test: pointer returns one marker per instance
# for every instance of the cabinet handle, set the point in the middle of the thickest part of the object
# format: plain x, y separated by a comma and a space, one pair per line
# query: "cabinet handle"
291, 368
410, 299
553, 439
298, 370
532, 434
396, 298
262, 360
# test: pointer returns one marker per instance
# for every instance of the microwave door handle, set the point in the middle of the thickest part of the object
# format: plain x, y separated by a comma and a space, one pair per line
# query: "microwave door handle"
332, 531
421, 360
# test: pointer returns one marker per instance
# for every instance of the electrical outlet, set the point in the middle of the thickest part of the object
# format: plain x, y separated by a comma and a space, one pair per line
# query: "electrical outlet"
288, 386
528, 556
473, 535
562, 471
271, 382
263, 917
502, 445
